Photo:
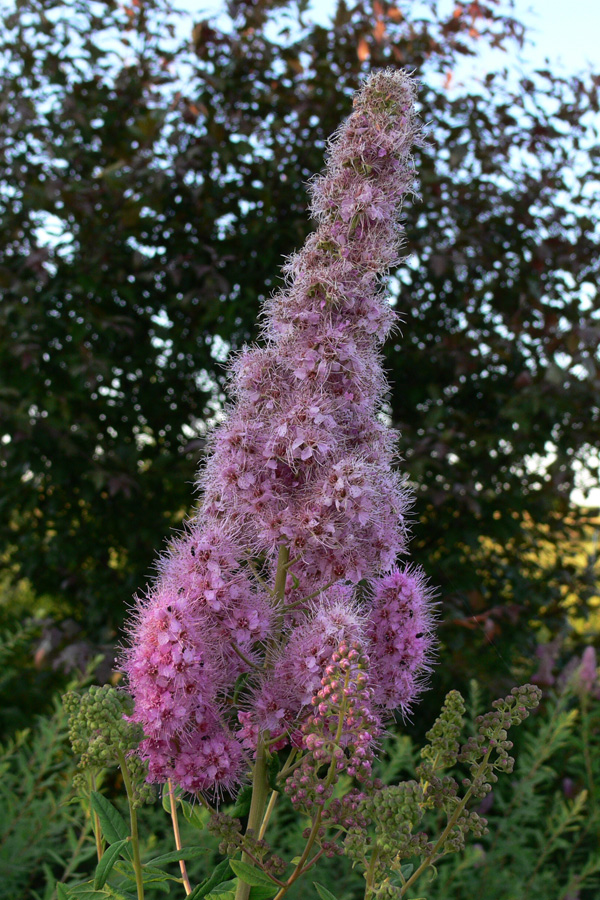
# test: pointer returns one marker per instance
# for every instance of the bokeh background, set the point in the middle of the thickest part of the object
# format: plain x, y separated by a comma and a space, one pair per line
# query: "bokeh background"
153, 178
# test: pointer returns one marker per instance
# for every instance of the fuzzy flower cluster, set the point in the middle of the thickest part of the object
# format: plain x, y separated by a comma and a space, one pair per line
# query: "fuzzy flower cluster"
301, 504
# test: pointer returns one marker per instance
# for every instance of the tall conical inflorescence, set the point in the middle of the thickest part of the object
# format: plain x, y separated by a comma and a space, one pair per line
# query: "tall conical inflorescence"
300, 500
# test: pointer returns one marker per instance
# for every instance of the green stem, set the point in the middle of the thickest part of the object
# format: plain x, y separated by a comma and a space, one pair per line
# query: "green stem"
268, 813
308, 597
260, 789
312, 862
259, 577
260, 785
370, 873
279, 594
135, 843
314, 831
96, 825
243, 657
451, 823
281, 574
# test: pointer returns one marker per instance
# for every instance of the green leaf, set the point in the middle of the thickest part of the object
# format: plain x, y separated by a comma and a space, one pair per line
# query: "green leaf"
224, 891
105, 866
249, 874
323, 893
159, 884
86, 891
208, 884
120, 893
152, 874
114, 827
431, 873
263, 892
175, 855
166, 797
406, 871
273, 769
62, 892
242, 806
196, 816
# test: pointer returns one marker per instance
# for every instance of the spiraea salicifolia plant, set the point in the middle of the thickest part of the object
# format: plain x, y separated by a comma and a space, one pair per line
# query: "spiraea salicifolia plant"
281, 632
293, 551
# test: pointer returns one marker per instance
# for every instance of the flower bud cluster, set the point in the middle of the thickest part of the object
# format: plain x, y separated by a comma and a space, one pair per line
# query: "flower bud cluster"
387, 832
442, 748
229, 831
468, 822
491, 745
349, 814
102, 733
99, 725
340, 733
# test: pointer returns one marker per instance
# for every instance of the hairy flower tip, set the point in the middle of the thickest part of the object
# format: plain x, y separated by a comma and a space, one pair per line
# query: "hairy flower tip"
202, 566
369, 171
390, 94
172, 664
204, 759
341, 731
401, 637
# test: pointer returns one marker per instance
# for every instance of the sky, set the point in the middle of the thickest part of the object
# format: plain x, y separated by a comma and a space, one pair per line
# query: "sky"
565, 30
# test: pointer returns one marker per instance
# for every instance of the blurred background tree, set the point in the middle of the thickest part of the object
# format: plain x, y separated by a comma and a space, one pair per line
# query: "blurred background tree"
151, 182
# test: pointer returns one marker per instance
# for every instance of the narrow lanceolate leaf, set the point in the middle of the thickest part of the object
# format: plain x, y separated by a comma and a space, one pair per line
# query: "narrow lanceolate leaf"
114, 827
242, 806
86, 891
248, 874
323, 893
196, 816
105, 866
175, 855
120, 893
166, 797
224, 891
220, 873
263, 892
